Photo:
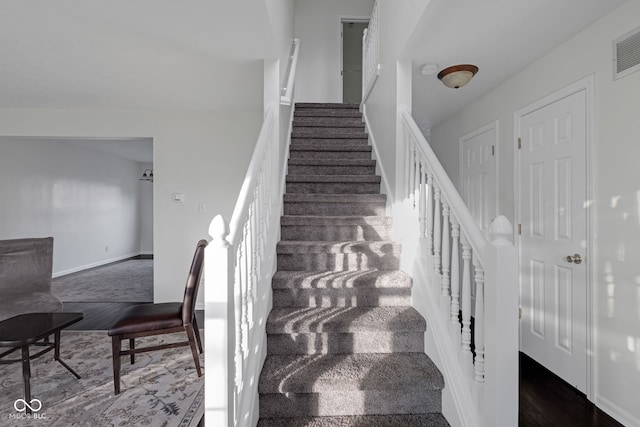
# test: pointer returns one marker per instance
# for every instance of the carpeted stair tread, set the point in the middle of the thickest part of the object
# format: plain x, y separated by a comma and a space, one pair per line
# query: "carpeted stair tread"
359, 371
368, 279
337, 122
332, 162
320, 227
327, 132
336, 105
335, 198
334, 204
334, 178
327, 112
331, 146
380, 248
348, 139
395, 420
344, 319
377, 220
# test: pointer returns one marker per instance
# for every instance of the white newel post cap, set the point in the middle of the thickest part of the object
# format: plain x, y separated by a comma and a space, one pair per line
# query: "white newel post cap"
501, 231
219, 230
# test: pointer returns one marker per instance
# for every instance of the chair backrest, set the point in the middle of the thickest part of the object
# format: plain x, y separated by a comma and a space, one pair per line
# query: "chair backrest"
193, 283
26, 265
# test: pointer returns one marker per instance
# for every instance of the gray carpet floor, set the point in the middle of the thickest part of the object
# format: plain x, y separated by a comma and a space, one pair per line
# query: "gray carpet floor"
126, 281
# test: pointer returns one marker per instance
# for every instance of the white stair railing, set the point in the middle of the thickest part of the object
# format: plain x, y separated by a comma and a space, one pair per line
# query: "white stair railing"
239, 263
467, 276
287, 91
370, 54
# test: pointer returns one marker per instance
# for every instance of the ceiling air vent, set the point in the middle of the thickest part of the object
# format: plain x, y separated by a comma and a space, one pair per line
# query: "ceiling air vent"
626, 54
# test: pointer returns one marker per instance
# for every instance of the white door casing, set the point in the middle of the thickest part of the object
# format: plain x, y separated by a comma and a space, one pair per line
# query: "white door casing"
552, 184
478, 173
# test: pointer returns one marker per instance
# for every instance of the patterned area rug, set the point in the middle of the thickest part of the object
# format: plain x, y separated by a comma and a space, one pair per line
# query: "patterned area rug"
128, 281
161, 389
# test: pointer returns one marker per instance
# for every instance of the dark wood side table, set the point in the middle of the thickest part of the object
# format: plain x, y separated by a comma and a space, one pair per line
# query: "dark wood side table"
24, 330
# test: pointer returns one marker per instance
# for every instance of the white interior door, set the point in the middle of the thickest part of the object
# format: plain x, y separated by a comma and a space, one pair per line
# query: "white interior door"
553, 261
479, 174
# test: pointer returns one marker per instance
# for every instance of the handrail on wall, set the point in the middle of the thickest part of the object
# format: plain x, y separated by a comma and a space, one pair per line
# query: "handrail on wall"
285, 99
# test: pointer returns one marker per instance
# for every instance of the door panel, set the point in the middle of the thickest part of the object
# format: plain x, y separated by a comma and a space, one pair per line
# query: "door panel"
478, 174
552, 208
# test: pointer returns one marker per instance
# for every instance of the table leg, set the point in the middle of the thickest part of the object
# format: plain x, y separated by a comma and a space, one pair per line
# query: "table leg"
56, 354
26, 377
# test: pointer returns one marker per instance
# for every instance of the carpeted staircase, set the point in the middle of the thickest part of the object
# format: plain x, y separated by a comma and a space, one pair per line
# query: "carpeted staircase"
345, 347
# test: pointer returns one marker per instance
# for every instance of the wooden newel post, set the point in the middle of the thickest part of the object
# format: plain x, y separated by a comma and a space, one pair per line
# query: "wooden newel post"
219, 321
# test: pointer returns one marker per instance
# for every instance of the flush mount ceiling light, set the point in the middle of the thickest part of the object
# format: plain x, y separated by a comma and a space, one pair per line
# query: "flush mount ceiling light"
457, 76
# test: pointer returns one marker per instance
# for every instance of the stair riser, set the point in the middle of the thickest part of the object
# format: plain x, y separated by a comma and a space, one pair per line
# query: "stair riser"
331, 170
335, 232
334, 209
366, 402
333, 187
349, 297
337, 262
344, 343
337, 122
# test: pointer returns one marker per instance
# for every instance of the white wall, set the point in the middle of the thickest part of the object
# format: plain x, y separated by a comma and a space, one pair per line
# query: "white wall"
281, 15
87, 200
145, 211
317, 25
396, 23
203, 154
616, 207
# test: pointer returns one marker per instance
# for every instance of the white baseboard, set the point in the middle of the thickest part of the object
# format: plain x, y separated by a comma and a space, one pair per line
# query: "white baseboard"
616, 412
92, 265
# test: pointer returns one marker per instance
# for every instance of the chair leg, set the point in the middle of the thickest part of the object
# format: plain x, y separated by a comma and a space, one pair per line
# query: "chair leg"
132, 346
115, 349
194, 350
196, 330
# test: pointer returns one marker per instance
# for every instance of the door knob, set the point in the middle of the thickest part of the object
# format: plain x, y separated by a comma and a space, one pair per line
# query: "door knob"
575, 258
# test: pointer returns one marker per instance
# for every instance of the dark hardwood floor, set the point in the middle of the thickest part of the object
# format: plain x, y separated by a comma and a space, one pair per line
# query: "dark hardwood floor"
547, 400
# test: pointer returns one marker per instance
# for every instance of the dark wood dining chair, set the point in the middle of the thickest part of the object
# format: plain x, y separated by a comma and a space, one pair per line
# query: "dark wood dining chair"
163, 318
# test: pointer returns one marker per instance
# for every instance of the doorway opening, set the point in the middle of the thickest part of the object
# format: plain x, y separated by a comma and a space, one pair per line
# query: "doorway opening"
351, 31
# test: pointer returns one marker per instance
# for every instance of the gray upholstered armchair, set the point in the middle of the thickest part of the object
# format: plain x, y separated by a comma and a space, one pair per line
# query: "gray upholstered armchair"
25, 277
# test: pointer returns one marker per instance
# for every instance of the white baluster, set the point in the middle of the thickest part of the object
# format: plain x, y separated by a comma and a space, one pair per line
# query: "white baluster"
478, 327
253, 274
246, 268
423, 201
240, 337
454, 320
437, 230
445, 298
407, 160
412, 170
429, 213
416, 179
466, 359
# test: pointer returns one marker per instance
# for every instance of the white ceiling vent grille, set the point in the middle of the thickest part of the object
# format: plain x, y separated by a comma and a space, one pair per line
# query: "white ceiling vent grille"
626, 54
